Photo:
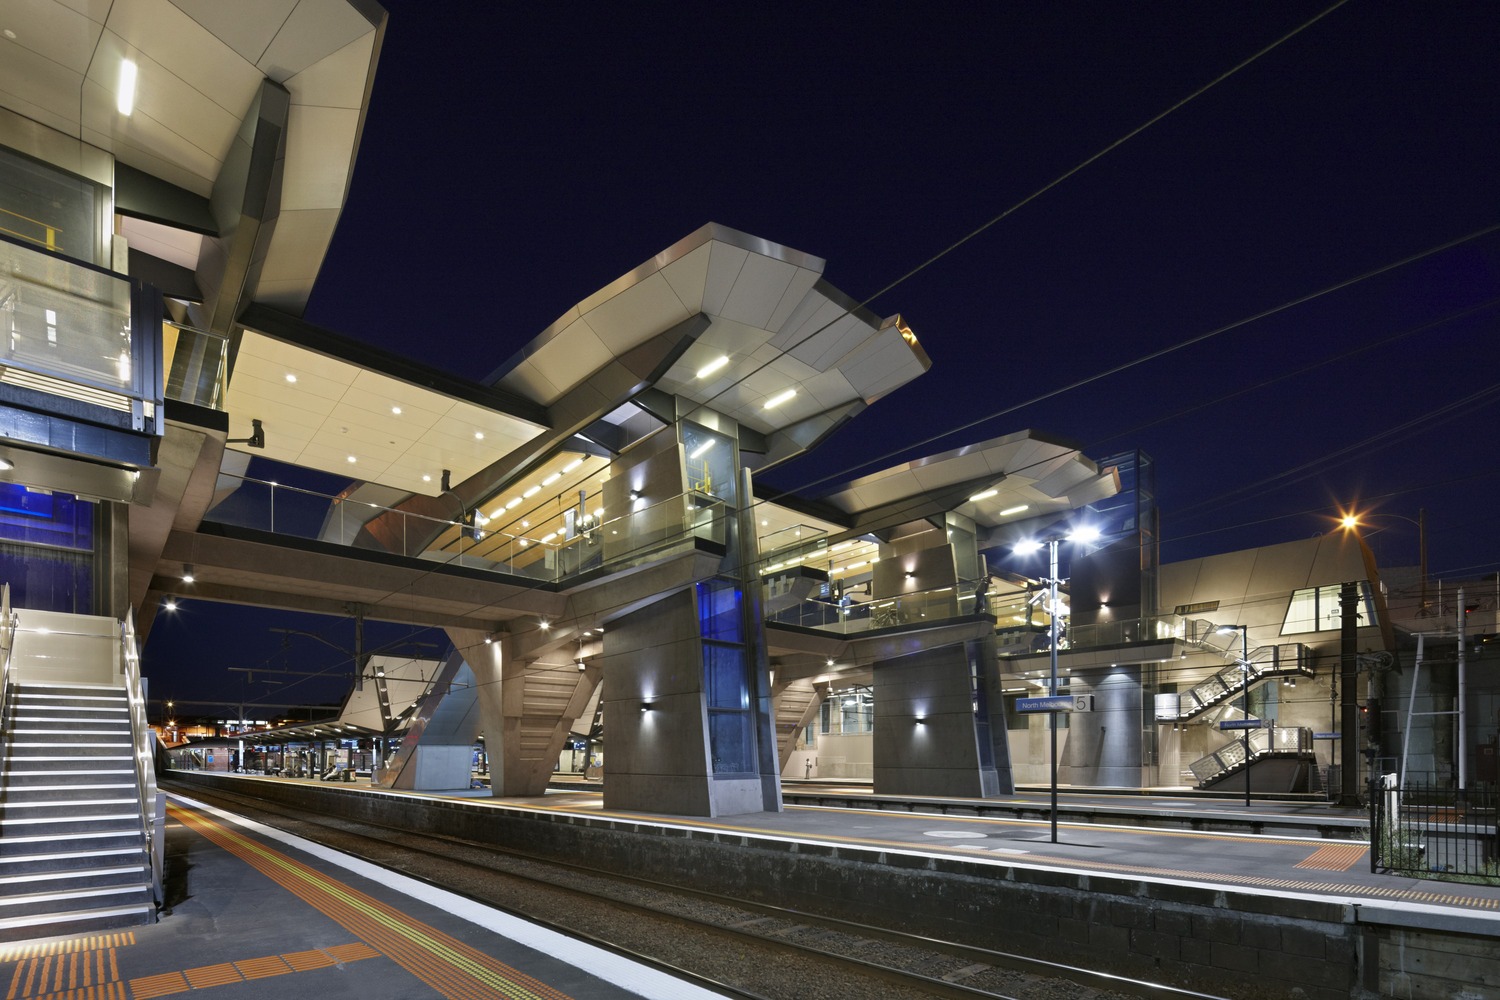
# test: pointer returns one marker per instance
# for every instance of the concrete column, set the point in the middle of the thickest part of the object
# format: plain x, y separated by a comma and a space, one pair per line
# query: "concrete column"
659, 749
927, 740
1104, 742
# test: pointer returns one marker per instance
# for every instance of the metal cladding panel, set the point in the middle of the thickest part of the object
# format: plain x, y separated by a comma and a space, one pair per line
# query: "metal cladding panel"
313, 29
246, 28
757, 290
338, 80
688, 276
724, 263
628, 318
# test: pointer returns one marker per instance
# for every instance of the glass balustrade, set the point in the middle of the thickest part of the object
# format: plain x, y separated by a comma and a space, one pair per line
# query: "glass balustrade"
607, 545
69, 328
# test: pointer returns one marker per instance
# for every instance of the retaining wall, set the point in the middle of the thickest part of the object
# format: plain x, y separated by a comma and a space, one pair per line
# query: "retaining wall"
1236, 943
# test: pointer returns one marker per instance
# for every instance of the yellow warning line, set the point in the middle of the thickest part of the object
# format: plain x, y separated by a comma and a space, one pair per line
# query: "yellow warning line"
445, 964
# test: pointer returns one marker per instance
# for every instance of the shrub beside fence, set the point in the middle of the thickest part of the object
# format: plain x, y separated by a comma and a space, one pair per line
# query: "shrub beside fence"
1429, 828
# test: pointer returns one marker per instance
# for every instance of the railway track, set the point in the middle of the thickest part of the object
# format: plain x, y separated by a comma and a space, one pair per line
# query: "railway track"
743, 949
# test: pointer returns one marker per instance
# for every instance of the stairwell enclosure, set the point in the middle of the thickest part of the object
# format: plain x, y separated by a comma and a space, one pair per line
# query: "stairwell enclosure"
81, 822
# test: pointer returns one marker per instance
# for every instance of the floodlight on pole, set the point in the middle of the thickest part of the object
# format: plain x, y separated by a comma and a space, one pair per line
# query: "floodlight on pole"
1030, 546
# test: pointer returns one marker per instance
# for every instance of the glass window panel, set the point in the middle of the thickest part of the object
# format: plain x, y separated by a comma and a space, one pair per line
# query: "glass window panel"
724, 677
729, 742
719, 612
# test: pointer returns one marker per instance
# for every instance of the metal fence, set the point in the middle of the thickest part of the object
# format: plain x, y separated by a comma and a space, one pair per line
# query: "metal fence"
1429, 828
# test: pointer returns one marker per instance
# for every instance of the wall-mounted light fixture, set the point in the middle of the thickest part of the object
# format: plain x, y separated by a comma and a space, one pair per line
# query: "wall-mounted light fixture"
635, 495
489, 638
647, 706
921, 720
187, 573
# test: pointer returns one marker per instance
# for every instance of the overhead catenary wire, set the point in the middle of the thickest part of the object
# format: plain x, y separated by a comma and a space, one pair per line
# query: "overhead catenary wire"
1061, 178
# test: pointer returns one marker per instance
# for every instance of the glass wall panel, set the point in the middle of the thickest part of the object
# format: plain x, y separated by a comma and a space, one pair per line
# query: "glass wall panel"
50, 208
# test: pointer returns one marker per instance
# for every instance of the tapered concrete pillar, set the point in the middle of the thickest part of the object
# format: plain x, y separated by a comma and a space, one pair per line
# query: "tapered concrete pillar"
939, 724
681, 688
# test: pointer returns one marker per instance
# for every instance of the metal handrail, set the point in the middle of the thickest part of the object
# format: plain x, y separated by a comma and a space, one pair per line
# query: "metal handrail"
685, 517
152, 808
7, 643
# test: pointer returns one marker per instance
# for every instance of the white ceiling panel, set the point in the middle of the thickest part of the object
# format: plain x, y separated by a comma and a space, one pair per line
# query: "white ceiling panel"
248, 28
166, 34
687, 277
796, 293
757, 290
53, 31
526, 379
632, 316
337, 80
319, 146
312, 30
299, 244
30, 81
571, 357
724, 263
165, 242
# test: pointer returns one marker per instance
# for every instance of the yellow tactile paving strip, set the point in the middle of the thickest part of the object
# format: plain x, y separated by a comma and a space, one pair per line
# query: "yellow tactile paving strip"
1335, 857
446, 965
87, 969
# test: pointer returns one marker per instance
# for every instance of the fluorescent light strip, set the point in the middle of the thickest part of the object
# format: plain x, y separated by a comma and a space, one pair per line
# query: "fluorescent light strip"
1014, 510
713, 366
125, 91
779, 398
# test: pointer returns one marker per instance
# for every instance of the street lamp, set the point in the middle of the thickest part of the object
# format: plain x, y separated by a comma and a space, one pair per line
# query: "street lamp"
1353, 521
1029, 547
1244, 631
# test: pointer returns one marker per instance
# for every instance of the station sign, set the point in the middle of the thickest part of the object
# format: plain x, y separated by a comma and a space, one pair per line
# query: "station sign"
1050, 703
1242, 724
1328, 736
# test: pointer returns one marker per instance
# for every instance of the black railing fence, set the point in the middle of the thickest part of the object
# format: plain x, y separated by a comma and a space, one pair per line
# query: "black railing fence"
1429, 828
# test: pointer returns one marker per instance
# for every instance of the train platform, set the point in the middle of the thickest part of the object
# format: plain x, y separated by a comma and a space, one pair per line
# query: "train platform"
253, 913
1273, 848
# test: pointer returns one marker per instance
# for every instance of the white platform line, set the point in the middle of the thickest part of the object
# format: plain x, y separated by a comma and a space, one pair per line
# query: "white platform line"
615, 969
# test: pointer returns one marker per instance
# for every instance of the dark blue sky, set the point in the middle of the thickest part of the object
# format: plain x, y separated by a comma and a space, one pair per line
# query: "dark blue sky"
517, 157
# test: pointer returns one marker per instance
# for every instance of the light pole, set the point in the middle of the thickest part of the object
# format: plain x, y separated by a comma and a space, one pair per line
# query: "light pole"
1244, 631
1352, 521
1029, 547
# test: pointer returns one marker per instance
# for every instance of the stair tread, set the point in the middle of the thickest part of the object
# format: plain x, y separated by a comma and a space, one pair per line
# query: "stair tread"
21, 859
54, 895
7, 923
67, 873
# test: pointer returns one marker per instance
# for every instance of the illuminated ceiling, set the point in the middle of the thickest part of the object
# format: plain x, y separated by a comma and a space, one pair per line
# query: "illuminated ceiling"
323, 413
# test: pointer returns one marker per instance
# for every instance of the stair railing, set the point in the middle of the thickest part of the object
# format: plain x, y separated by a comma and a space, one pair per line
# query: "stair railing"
153, 805
7, 643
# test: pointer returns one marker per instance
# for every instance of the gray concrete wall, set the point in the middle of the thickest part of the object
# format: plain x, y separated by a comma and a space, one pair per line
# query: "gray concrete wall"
1239, 944
657, 760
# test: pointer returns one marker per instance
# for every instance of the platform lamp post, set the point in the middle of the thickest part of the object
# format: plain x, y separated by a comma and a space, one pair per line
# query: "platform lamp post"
1029, 547
1244, 631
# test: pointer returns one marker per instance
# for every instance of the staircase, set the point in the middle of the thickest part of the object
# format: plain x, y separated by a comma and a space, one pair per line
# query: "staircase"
1265, 662
1289, 749
73, 844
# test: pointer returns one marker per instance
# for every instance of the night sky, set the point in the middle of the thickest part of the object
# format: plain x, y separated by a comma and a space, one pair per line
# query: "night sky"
518, 157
